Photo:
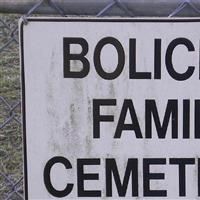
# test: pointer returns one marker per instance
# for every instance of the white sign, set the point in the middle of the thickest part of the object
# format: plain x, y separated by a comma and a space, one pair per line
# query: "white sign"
111, 108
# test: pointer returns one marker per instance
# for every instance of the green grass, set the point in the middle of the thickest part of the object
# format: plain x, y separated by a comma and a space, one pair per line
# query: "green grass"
11, 162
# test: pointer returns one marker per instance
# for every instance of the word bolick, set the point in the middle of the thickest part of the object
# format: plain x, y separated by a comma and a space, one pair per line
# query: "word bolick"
111, 108
133, 74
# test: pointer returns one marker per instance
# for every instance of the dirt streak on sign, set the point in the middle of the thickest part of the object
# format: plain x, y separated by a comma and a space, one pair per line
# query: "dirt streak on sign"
111, 108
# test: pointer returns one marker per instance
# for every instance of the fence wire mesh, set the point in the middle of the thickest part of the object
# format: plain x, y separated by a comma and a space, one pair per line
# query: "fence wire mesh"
11, 157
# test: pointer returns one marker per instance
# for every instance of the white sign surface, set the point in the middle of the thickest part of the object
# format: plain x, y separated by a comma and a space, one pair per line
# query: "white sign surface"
111, 108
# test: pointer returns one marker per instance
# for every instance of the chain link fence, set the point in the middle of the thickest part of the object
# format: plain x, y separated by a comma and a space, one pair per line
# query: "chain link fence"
11, 156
